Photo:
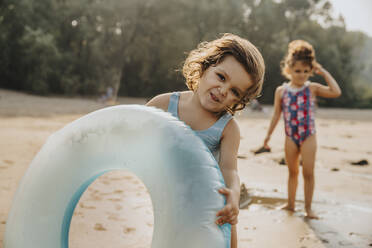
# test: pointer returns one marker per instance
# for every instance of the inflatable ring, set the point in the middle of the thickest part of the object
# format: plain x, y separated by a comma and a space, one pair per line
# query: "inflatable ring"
180, 173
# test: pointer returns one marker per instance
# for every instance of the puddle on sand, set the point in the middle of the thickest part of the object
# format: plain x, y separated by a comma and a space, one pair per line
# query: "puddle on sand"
268, 202
340, 225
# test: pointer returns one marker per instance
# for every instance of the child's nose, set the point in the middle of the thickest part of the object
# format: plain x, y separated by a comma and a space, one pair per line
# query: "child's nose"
223, 91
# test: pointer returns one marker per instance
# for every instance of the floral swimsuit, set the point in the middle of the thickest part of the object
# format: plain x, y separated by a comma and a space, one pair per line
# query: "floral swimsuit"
298, 113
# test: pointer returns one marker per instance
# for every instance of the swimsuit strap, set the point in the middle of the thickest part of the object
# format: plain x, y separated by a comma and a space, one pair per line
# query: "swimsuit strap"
217, 128
173, 104
212, 135
173, 109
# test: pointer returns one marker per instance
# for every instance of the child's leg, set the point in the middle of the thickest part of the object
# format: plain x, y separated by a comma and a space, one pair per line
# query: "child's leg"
234, 237
308, 152
291, 156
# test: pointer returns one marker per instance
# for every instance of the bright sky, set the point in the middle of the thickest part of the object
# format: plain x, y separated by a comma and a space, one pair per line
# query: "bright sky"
357, 14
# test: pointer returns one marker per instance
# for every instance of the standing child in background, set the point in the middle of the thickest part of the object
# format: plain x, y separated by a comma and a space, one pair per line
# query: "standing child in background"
222, 76
296, 100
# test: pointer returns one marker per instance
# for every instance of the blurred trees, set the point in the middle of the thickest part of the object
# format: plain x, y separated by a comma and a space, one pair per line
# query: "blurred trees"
83, 46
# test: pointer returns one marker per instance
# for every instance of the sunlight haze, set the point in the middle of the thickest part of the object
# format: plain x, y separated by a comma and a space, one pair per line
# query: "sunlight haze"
357, 14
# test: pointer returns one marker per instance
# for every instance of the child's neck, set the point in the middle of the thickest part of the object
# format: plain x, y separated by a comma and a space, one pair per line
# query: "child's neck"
296, 85
195, 104
193, 114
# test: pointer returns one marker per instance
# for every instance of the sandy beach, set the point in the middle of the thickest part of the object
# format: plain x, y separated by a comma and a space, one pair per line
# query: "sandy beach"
116, 211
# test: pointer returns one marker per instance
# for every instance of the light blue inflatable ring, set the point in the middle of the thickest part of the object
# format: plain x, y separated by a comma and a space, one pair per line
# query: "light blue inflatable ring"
180, 173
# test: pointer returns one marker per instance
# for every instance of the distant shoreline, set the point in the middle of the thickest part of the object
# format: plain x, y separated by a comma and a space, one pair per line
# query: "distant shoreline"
13, 104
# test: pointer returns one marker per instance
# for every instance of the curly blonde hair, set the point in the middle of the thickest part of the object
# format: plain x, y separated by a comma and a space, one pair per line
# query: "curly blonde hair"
212, 53
298, 50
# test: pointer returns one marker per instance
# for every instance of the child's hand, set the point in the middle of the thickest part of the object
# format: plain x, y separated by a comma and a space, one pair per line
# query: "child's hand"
229, 214
318, 69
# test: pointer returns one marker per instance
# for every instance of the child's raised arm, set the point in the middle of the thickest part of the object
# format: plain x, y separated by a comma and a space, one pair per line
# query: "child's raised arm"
330, 91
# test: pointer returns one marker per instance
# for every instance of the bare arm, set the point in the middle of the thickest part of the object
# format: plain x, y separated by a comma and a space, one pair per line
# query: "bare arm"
276, 115
228, 165
332, 90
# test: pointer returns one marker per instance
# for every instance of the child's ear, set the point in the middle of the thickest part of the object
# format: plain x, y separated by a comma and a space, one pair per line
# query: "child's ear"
287, 70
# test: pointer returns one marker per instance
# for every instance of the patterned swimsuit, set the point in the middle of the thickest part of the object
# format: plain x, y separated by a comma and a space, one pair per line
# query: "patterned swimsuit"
298, 113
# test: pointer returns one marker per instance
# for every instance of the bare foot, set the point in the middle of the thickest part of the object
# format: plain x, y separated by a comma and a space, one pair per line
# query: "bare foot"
311, 215
287, 207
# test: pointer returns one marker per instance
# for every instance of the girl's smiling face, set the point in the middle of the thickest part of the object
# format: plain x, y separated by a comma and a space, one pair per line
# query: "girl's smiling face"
223, 85
300, 73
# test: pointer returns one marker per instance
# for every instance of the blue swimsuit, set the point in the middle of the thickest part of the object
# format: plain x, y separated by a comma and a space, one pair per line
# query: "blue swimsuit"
211, 136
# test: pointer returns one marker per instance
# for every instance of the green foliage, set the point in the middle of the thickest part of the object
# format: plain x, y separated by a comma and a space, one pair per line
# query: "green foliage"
39, 57
83, 46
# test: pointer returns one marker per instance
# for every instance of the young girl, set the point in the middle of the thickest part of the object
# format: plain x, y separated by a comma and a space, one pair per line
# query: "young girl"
222, 76
296, 100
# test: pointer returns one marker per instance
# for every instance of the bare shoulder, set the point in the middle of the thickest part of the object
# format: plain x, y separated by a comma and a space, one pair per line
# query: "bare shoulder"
279, 88
232, 130
279, 91
160, 101
314, 88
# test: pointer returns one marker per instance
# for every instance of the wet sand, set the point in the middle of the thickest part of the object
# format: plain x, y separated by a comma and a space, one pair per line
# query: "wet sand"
116, 211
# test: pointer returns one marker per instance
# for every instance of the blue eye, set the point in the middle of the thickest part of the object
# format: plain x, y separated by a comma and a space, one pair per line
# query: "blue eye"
222, 78
235, 92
